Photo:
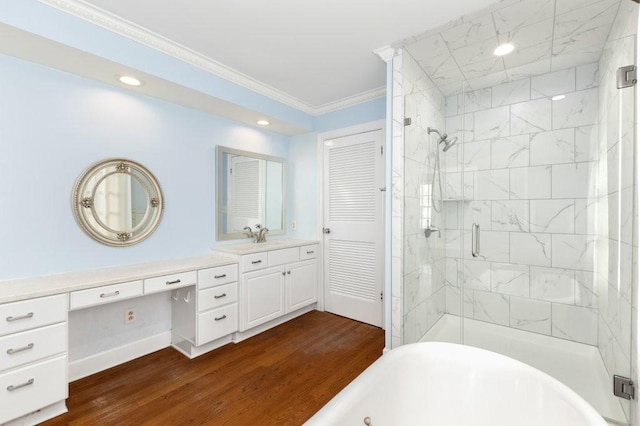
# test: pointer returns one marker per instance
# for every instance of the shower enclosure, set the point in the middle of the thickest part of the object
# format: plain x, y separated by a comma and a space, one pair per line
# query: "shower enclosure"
521, 237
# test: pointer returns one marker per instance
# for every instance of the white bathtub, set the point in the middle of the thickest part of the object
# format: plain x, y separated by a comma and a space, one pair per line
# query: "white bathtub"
445, 384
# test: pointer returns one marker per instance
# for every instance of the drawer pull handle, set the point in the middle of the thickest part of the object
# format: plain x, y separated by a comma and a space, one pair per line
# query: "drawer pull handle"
310, 252
220, 318
255, 262
11, 388
27, 316
289, 272
219, 276
24, 348
173, 282
105, 295
220, 296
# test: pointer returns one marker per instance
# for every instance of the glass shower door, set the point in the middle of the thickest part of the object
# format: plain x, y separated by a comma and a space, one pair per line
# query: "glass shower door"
430, 300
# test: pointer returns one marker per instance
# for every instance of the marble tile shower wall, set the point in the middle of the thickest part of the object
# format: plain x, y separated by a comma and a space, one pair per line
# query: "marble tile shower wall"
424, 258
616, 213
527, 175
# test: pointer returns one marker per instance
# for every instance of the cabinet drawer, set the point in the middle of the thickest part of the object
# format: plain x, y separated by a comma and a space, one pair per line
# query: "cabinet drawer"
217, 296
21, 348
106, 294
170, 282
32, 313
309, 252
30, 388
217, 323
251, 262
280, 257
219, 275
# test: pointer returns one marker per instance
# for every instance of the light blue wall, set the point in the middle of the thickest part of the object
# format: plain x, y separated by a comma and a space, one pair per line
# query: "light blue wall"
303, 186
53, 125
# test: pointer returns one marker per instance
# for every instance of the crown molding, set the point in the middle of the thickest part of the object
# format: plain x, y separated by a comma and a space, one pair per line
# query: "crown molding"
125, 28
351, 101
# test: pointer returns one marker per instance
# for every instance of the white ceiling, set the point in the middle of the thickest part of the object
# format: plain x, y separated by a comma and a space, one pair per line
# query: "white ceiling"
316, 55
548, 34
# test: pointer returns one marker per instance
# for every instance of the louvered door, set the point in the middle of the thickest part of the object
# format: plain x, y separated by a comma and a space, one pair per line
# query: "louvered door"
246, 177
353, 213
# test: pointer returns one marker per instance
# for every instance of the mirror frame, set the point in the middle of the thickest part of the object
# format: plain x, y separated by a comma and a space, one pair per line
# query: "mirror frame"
220, 151
84, 208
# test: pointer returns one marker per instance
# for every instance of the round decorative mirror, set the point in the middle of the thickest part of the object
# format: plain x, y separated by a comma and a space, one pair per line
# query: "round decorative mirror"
117, 202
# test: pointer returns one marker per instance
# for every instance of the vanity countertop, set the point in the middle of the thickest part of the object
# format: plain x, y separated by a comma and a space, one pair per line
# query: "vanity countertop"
46, 285
248, 248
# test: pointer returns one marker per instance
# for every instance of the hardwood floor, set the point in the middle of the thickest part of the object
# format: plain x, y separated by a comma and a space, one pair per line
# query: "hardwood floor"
279, 377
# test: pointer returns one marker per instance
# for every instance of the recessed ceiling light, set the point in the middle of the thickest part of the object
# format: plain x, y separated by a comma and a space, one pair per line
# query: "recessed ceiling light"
129, 80
504, 49
558, 97
263, 122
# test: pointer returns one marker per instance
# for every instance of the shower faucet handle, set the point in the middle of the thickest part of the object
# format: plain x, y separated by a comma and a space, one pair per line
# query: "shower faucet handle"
430, 230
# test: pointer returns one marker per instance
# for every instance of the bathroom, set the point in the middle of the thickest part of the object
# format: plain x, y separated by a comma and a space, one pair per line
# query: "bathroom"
556, 226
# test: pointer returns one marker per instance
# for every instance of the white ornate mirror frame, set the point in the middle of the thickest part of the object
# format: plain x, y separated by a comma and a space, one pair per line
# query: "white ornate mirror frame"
117, 202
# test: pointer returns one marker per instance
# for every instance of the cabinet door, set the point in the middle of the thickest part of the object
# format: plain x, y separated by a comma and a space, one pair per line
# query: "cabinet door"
263, 297
302, 284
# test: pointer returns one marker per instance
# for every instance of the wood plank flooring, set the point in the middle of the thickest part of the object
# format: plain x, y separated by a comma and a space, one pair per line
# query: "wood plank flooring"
279, 377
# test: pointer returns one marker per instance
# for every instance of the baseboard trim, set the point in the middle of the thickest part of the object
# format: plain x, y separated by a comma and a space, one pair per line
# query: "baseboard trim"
112, 357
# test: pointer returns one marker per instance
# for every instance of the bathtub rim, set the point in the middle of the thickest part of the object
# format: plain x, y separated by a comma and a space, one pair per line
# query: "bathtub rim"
340, 403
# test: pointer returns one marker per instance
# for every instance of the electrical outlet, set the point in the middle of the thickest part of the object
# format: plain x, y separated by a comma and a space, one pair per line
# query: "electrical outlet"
129, 315
294, 225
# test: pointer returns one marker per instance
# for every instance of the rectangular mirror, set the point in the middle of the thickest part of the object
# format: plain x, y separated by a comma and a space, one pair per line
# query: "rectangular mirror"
250, 191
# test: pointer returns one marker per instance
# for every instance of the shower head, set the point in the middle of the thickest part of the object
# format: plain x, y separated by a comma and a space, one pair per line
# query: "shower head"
448, 143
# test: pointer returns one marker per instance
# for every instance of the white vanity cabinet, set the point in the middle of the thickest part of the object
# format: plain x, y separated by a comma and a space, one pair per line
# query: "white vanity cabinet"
33, 357
275, 283
205, 315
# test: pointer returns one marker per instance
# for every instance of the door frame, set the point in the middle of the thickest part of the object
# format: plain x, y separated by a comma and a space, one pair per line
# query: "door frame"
333, 134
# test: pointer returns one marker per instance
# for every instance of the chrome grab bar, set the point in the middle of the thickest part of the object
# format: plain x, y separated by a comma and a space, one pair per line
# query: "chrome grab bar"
475, 240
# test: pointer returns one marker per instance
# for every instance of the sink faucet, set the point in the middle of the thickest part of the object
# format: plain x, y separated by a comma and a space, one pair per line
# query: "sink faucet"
261, 235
